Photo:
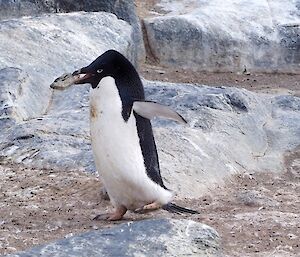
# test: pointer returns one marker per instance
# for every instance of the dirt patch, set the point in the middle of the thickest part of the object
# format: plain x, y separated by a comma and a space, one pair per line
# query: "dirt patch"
257, 82
148, 8
256, 214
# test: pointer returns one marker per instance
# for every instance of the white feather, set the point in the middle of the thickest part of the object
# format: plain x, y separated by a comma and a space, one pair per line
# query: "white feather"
117, 152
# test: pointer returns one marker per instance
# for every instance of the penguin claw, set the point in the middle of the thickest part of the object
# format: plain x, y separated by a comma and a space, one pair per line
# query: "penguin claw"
147, 208
108, 217
140, 210
102, 216
117, 215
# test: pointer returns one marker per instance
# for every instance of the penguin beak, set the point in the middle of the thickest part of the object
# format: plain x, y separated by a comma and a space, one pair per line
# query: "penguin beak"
81, 77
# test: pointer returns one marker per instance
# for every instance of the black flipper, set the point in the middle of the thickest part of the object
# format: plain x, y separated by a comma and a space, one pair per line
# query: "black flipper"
149, 151
173, 208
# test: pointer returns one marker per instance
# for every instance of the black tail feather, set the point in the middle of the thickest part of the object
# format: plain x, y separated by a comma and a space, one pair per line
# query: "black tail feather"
173, 208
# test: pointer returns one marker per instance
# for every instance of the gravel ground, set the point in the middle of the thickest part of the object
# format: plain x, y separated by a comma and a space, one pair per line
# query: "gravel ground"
255, 214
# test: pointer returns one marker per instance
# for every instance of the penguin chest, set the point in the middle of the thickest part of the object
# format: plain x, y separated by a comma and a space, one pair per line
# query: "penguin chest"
116, 148
113, 139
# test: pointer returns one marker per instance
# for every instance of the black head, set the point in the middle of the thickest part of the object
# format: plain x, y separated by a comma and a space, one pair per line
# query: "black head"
115, 65
111, 63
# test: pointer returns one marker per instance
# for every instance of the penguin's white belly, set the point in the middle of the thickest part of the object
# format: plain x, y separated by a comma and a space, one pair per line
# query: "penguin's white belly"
117, 151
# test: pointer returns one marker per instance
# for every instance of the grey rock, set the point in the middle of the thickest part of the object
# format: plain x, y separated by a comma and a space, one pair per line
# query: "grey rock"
231, 131
17, 92
50, 45
287, 102
162, 237
14, 9
124, 10
46, 47
255, 198
253, 35
58, 138
290, 43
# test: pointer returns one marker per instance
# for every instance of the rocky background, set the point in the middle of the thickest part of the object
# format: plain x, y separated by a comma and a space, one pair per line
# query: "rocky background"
237, 161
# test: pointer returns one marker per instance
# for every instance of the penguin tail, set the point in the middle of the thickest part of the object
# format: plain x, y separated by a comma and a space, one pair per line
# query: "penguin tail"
173, 208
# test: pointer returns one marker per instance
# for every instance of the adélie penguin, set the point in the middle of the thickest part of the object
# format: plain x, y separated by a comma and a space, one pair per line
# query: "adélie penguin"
122, 139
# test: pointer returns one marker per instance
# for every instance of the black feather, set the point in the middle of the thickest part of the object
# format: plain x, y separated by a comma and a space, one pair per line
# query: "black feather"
173, 208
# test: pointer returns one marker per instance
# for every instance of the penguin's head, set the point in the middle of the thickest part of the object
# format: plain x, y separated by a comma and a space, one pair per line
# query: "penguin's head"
111, 63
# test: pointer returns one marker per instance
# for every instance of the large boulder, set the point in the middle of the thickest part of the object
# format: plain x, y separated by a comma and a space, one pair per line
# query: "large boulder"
230, 131
57, 138
124, 10
34, 52
45, 47
229, 35
162, 237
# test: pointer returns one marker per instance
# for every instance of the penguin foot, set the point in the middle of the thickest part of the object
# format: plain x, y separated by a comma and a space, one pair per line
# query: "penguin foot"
117, 215
149, 207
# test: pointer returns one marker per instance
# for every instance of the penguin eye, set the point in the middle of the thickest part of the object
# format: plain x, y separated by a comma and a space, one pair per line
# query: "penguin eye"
99, 71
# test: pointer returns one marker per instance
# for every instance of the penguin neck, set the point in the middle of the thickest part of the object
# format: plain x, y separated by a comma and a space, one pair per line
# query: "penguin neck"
107, 99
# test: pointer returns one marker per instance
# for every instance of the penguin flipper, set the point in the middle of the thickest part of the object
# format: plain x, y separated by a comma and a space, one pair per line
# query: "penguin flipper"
173, 208
149, 110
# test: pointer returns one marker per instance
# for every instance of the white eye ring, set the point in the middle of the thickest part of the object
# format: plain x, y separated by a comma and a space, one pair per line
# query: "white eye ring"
99, 71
